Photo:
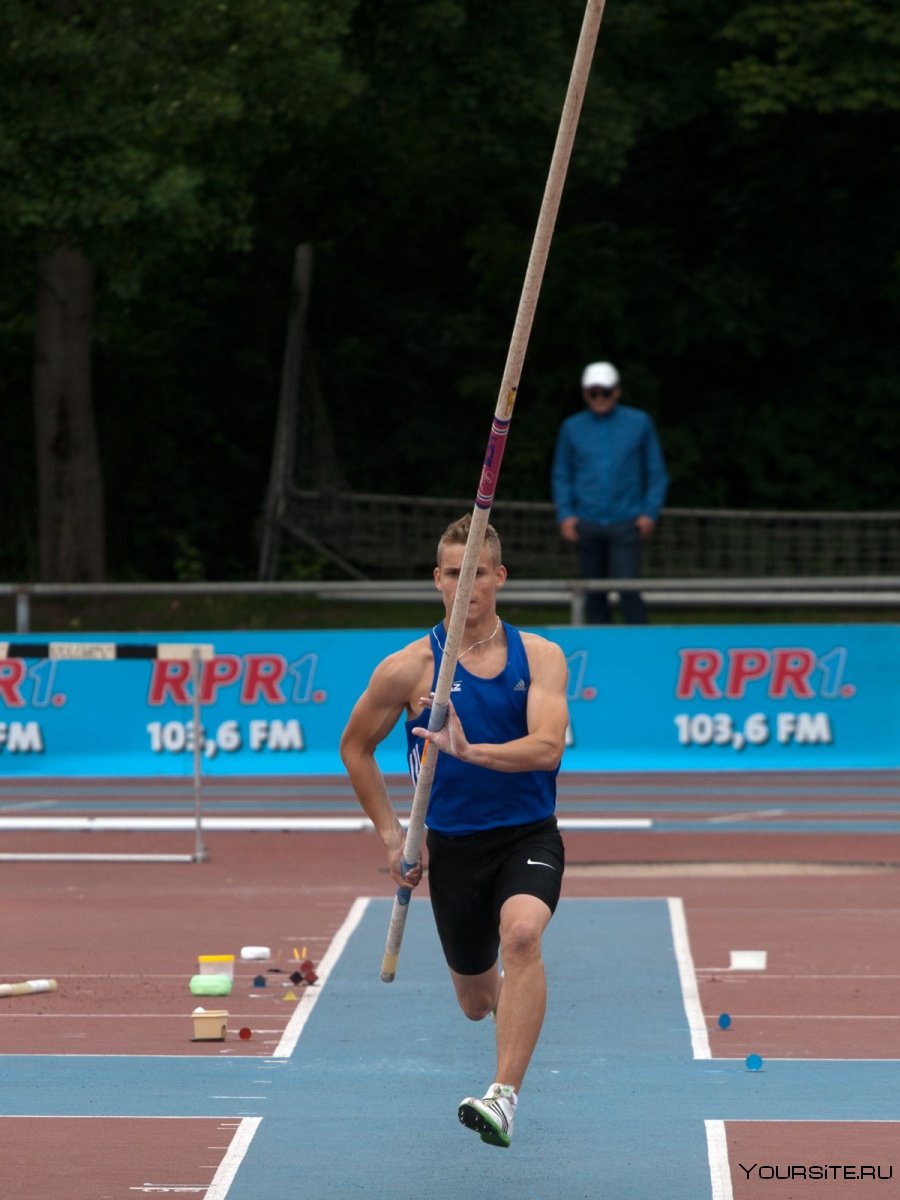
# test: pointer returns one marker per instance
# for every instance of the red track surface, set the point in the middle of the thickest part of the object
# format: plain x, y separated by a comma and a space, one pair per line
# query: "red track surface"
122, 940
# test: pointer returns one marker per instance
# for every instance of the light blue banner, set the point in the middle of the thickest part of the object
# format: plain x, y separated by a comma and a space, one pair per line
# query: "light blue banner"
641, 699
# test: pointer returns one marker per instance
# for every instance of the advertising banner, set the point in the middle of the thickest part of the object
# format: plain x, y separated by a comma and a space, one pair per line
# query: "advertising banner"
641, 699
734, 697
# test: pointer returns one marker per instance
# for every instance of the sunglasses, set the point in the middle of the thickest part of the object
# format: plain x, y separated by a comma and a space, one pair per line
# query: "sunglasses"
606, 392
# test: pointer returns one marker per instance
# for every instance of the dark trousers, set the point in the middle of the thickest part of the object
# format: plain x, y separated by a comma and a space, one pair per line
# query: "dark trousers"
611, 552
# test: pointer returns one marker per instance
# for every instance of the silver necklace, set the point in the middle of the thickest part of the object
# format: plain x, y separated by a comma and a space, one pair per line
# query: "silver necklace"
483, 641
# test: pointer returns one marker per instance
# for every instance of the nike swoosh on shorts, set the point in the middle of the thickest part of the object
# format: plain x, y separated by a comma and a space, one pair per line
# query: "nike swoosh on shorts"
533, 862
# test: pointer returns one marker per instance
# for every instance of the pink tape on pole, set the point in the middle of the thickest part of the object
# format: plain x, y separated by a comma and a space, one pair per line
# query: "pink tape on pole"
492, 460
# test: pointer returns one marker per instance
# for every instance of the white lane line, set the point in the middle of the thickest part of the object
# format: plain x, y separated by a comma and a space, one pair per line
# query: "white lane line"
748, 816
719, 1169
307, 1003
29, 804
687, 976
229, 1165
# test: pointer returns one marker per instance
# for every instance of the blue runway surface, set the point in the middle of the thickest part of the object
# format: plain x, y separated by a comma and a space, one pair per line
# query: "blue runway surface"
614, 1103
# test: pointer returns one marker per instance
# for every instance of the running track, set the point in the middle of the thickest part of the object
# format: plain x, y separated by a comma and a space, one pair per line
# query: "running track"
634, 1091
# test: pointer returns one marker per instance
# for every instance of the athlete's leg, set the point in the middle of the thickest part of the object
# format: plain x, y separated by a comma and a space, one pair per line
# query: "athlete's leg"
526, 892
477, 994
523, 998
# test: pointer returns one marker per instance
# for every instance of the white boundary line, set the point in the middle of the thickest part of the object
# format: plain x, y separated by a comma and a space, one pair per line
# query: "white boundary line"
753, 815
61, 824
240, 1143
719, 1168
300, 1016
132, 858
690, 993
234, 1156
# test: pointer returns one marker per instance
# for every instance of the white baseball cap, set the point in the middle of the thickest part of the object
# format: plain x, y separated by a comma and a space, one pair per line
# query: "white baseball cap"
599, 374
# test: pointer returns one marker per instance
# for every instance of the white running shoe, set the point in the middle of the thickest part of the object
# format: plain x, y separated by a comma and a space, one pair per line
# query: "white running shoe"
492, 1116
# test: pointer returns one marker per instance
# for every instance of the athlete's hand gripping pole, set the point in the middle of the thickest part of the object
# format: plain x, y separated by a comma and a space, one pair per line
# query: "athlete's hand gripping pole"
493, 456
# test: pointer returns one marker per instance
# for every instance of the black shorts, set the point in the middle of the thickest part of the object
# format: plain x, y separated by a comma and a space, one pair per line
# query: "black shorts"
471, 877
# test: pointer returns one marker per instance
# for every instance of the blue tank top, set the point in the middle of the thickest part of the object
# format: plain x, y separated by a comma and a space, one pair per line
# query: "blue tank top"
467, 798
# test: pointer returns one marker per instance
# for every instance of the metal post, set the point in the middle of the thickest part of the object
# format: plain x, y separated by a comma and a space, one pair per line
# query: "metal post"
281, 473
200, 853
578, 604
23, 611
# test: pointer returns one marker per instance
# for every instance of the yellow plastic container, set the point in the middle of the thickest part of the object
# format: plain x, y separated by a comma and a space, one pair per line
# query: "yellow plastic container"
216, 964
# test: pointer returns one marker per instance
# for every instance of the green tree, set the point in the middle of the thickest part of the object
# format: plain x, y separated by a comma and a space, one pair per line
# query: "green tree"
822, 56
741, 265
728, 235
814, 86
131, 133
434, 180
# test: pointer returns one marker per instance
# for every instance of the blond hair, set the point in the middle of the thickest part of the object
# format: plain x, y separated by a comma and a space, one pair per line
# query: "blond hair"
457, 534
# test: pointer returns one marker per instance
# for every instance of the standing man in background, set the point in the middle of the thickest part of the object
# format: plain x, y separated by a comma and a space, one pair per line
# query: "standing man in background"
609, 485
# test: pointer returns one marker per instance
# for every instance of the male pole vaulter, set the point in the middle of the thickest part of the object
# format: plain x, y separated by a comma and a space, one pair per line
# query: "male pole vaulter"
495, 855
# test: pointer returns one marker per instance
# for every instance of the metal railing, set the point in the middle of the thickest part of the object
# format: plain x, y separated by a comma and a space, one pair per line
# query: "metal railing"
811, 591
385, 536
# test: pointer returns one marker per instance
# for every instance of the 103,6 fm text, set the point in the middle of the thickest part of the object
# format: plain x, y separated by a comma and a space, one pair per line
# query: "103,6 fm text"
720, 729
177, 737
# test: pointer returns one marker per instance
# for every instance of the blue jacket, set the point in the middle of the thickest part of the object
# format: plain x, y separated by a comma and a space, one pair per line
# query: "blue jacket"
609, 468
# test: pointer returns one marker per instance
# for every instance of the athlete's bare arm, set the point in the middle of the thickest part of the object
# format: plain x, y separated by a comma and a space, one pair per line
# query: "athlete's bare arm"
392, 691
